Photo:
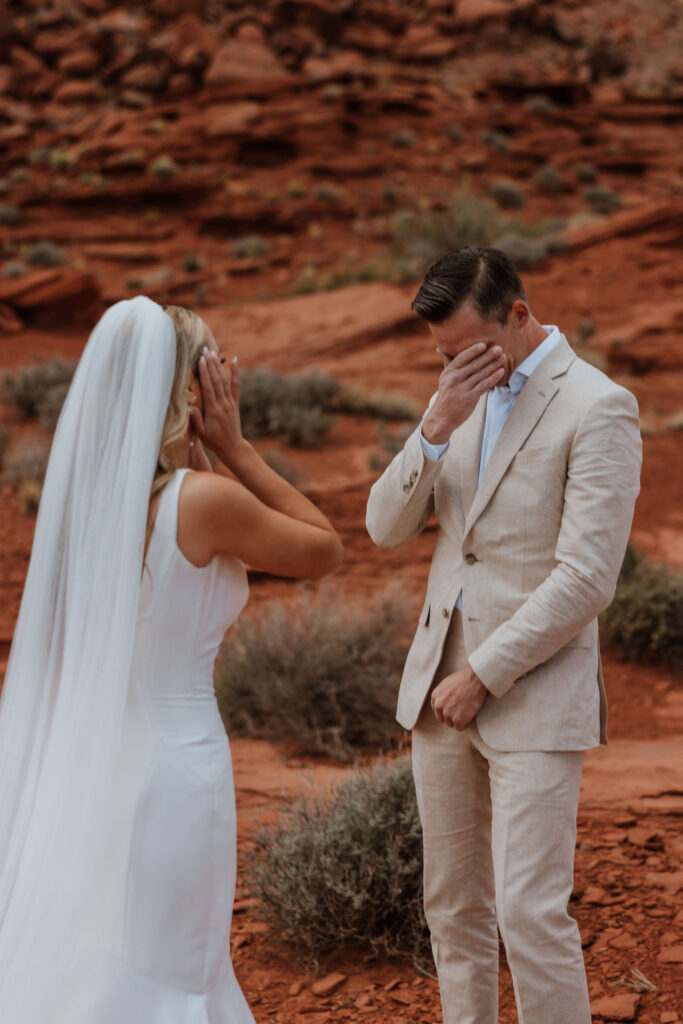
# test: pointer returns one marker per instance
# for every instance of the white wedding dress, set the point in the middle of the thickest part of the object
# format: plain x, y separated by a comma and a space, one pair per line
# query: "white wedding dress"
155, 948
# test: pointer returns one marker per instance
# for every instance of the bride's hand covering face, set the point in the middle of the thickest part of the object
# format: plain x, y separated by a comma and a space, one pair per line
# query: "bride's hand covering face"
215, 415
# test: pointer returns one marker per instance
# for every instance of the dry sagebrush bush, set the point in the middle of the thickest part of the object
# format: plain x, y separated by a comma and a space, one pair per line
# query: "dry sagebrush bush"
319, 674
345, 869
26, 461
39, 390
645, 619
290, 407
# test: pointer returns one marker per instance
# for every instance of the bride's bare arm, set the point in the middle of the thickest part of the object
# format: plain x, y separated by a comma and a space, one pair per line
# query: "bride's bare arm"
259, 518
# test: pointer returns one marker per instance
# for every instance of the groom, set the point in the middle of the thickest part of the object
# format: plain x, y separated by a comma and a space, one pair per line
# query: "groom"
530, 458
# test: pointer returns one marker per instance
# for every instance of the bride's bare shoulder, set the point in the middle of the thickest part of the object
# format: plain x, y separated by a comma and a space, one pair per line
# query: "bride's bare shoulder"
202, 491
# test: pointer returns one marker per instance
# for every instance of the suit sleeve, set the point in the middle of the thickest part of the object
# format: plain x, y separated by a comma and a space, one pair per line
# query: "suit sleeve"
401, 502
603, 481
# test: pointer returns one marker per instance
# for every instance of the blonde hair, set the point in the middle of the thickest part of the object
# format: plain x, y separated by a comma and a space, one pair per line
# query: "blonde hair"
189, 333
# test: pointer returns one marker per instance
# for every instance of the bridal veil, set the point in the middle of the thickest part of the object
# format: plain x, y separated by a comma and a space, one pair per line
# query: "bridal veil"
64, 694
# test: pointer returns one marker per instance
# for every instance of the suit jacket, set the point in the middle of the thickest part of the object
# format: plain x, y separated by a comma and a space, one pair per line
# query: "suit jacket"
536, 547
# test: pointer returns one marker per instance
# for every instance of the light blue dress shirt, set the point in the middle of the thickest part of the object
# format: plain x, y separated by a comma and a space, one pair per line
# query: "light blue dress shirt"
499, 403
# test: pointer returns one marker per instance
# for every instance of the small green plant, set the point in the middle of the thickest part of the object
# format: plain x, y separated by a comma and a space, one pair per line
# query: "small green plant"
39, 390
192, 263
507, 194
249, 247
10, 215
163, 166
319, 675
62, 159
27, 460
14, 268
45, 254
539, 103
326, 192
295, 189
346, 870
585, 172
5, 438
495, 139
585, 329
601, 199
645, 619
454, 132
293, 408
404, 138
547, 179
28, 495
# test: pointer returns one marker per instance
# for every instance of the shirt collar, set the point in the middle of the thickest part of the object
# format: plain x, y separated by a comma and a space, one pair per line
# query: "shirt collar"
519, 377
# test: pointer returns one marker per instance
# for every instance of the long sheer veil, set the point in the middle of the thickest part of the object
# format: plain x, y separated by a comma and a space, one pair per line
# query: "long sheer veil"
64, 694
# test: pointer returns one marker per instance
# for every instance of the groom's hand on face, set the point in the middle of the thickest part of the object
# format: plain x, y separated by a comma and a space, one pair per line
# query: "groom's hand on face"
458, 697
463, 381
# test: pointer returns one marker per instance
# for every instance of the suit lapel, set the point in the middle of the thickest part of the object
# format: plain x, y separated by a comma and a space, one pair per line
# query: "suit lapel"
469, 437
531, 403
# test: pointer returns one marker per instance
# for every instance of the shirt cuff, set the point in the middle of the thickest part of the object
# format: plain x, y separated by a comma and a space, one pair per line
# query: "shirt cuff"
433, 451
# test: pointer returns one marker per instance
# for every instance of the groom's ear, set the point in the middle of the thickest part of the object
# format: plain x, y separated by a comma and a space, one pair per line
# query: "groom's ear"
519, 314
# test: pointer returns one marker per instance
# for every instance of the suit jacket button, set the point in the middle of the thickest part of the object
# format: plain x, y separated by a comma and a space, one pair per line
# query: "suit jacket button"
444, 612
470, 558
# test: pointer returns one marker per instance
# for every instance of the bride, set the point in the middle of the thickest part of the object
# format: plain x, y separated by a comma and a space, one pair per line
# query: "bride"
117, 809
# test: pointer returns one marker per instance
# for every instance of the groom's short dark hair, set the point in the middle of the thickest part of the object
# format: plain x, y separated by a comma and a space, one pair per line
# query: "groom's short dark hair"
485, 276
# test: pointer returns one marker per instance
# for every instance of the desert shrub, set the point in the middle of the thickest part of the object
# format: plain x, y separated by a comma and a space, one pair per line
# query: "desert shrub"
62, 159
420, 239
547, 178
292, 407
507, 194
326, 192
10, 214
601, 199
585, 172
45, 254
39, 390
28, 495
539, 103
319, 675
26, 461
248, 247
346, 870
495, 139
585, 329
404, 138
295, 189
385, 405
163, 167
454, 132
283, 467
645, 619
14, 268
5, 438
192, 263
524, 252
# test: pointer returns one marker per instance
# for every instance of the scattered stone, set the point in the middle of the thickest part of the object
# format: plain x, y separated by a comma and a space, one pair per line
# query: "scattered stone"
238, 62
619, 1007
671, 955
329, 984
296, 987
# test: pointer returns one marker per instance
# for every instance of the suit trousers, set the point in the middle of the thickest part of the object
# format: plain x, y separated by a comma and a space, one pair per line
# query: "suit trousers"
499, 832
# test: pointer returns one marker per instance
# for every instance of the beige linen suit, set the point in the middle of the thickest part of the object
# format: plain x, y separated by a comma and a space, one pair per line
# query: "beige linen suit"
536, 547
